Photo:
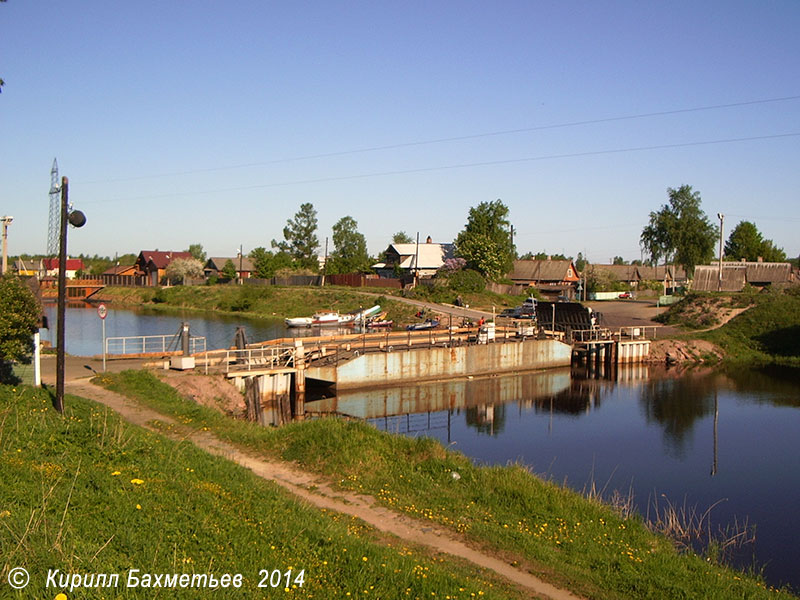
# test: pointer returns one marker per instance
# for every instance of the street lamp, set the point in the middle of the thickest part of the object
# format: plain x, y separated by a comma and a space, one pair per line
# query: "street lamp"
6, 222
77, 219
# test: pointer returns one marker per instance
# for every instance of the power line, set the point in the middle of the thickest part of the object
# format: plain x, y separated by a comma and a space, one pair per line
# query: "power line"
456, 166
450, 139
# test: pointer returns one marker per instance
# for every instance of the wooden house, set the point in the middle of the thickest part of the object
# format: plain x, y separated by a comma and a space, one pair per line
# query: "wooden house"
411, 259
244, 269
153, 263
550, 277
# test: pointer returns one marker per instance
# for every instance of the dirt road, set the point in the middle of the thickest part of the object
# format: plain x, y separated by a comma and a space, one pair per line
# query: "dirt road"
314, 489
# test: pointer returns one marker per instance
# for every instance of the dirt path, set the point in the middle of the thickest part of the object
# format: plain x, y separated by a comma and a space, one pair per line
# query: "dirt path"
319, 493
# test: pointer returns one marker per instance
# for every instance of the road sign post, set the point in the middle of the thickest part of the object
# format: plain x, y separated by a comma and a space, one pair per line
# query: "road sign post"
102, 311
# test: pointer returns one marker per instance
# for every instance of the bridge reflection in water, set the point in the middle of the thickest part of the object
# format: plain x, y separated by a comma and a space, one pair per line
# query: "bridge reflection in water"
430, 406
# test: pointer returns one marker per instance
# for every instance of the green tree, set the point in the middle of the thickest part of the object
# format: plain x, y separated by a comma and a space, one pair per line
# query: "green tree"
580, 262
267, 263
680, 231
228, 270
19, 318
746, 242
300, 237
401, 237
196, 250
485, 242
618, 260
350, 248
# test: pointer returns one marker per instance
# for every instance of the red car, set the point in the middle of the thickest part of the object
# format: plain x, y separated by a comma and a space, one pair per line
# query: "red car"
626, 295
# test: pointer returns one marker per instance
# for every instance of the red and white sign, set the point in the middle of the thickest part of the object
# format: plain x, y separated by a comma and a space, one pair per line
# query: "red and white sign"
102, 311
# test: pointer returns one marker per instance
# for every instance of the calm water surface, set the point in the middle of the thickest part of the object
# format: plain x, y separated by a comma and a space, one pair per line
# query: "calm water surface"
84, 333
701, 437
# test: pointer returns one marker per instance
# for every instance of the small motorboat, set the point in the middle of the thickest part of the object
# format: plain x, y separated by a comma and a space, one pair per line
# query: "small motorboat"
298, 321
426, 324
327, 318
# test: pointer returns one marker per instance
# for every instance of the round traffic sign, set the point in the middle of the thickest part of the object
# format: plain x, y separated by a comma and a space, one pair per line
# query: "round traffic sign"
102, 311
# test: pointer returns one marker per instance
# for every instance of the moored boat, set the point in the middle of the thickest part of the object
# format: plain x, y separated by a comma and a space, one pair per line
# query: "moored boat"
298, 321
427, 324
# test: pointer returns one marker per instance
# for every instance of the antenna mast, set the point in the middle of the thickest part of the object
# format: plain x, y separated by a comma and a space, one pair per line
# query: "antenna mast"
54, 224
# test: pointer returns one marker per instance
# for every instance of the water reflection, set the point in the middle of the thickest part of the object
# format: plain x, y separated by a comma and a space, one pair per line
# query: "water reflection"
698, 436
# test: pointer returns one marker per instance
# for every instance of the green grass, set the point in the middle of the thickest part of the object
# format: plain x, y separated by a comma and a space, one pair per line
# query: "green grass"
259, 301
86, 493
768, 332
550, 530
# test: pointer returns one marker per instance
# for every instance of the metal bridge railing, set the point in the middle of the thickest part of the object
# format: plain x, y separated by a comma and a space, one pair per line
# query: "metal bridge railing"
267, 357
151, 344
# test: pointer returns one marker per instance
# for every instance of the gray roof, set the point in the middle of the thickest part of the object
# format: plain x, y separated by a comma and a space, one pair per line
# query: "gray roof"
217, 263
543, 270
736, 274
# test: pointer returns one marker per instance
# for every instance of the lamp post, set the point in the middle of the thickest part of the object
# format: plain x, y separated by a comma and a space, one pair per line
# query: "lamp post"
721, 218
77, 219
6, 222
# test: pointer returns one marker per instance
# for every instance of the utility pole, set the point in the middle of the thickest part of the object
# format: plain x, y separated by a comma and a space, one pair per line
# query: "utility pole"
325, 264
512, 237
416, 263
6, 222
721, 218
77, 219
241, 258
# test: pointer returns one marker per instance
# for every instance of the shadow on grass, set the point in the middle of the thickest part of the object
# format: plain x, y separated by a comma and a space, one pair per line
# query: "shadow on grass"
782, 342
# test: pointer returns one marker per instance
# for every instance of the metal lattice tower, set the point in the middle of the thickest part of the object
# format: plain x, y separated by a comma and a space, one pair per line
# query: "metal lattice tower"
54, 225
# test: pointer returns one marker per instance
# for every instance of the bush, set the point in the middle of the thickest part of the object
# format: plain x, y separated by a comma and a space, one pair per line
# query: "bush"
466, 282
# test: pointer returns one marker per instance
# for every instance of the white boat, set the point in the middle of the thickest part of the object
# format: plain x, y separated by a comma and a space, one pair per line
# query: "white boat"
298, 322
326, 318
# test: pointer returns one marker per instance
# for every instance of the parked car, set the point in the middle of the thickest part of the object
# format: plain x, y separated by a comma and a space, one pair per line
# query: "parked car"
626, 295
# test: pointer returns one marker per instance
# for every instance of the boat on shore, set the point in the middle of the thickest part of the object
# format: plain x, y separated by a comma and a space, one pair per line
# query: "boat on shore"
327, 318
426, 324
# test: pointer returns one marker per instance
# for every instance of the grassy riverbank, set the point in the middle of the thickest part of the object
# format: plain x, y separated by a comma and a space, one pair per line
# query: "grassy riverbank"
766, 332
281, 302
88, 494
258, 301
553, 532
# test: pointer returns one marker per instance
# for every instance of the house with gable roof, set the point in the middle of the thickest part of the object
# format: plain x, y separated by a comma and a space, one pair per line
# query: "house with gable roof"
550, 277
410, 259
154, 263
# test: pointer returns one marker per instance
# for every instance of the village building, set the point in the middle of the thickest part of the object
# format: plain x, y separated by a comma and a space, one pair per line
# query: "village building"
153, 264
49, 267
736, 275
551, 278
244, 266
423, 260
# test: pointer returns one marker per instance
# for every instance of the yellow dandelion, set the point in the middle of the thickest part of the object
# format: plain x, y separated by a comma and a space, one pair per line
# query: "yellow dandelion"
61, 597
138, 507
5, 513
115, 473
364, 558
137, 481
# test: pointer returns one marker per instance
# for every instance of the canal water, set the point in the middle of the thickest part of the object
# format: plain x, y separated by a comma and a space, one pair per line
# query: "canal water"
697, 439
84, 330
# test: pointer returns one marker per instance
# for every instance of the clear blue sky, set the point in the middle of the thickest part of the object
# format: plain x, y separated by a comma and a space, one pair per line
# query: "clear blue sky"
181, 122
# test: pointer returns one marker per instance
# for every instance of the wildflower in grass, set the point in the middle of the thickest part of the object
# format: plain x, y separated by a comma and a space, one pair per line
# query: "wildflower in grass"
5, 513
138, 507
60, 597
115, 473
137, 481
